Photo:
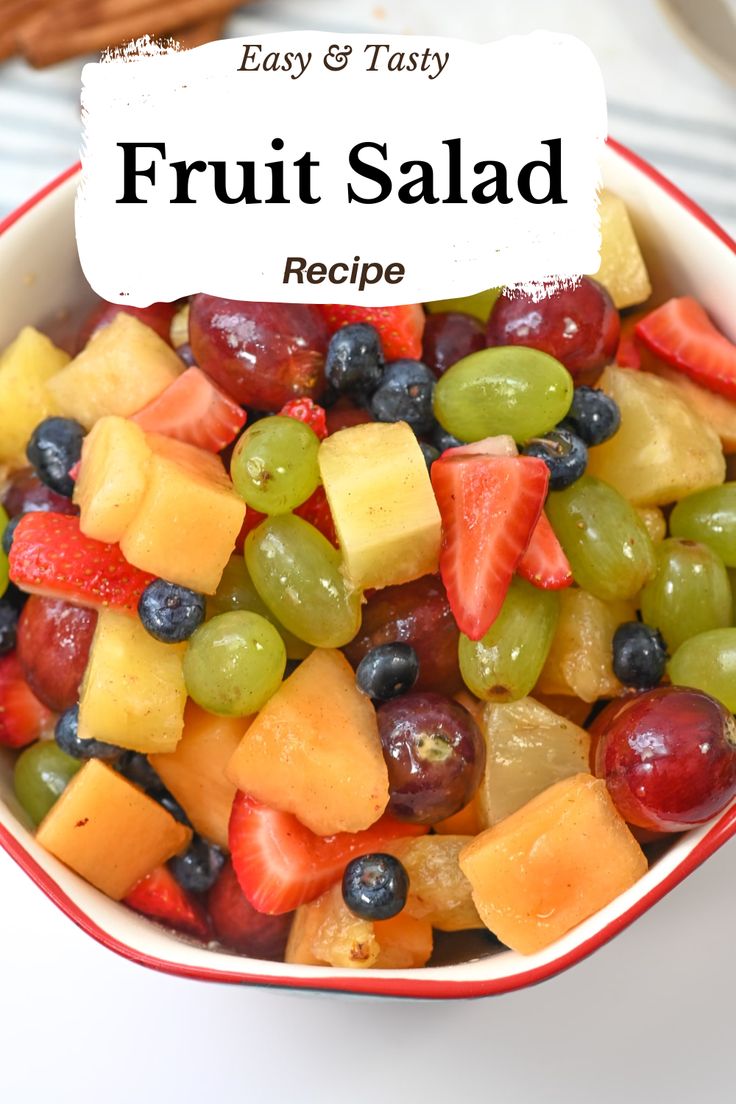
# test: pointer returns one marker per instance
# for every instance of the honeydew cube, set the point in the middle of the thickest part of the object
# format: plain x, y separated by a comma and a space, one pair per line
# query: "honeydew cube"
123, 366
112, 478
622, 270
133, 691
195, 771
382, 502
529, 748
26, 366
551, 864
663, 449
110, 832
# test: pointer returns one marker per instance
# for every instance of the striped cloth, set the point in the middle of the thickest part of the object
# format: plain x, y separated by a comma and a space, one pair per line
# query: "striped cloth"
663, 103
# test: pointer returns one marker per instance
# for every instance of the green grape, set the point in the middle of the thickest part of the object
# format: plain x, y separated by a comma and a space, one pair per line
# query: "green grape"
709, 516
41, 775
479, 305
610, 552
505, 665
732, 580
689, 594
234, 663
707, 662
4, 570
274, 465
509, 389
237, 592
297, 574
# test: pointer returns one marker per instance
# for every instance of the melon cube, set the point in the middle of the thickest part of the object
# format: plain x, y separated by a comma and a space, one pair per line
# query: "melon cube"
123, 366
382, 503
133, 691
109, 831
112, 478
195, 771
26, 366
622, 270
552, 864
314, 749
529, 748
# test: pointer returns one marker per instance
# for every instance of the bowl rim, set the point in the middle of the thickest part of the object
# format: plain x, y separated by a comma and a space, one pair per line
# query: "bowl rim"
723, 829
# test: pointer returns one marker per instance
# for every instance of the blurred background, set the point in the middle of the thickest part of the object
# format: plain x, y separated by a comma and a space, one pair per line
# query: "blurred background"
669, 68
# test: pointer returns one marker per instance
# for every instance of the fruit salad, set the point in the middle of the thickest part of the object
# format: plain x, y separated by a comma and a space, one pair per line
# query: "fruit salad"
343, 636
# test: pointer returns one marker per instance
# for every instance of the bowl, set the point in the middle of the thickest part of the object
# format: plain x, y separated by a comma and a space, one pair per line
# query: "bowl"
687, 253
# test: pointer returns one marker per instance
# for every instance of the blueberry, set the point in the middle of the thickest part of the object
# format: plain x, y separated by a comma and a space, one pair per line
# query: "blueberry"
136, 768
405, 395
442, 440
66, 735
198, 867
564, 454
8, 626
639, 655
15, 597
172, 806
430, 453
170, 612
54, 448
8, 532
355, 359
594, 416
375, 886
387, 671
184, 352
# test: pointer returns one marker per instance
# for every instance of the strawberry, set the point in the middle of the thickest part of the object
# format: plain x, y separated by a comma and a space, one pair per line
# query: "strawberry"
192, 409
251, 520
681, 334
400, 328
544, 563
345, 413
489, 507
159, 895
316, 510
22, 716
280, 864
51, 556
238, 925
628, 354
307, 411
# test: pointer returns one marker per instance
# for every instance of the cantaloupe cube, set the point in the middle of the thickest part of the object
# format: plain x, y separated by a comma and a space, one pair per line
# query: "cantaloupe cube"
529, 748
382, 503
112, 478
195, 771
133, 692
551, 864
122, 367
314, 749
109, 831
663, 450
622, 270
188, 519
26, 366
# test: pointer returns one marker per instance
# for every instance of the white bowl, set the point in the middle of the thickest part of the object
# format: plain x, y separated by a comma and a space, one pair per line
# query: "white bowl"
43, 285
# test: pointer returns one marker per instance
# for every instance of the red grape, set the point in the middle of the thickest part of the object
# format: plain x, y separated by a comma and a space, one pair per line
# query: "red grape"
668, 757
435, 754
448, 337
578, 325
26, 494
54, 639
262, 354
242, 928
158, 316
416, 613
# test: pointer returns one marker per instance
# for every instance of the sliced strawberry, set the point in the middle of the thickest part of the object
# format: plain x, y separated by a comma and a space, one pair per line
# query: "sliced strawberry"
194, 410
316, 510
400, 328
681, 333
628, 354
252, 519
489, 507
22, 716
51, 556
307, 411
239, 926
344, 414
159, 895
544, 563
280, 864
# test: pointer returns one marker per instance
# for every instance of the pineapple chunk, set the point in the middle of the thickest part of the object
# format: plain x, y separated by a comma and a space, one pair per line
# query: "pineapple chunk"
195, 771
314, 750
622, 270
112, 478
122, 368
579, 663
382, 503
718, 411
552, 863
26, 366
529, 749
133, 692
663, 450
440, 892
109, 831
655, 522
